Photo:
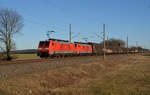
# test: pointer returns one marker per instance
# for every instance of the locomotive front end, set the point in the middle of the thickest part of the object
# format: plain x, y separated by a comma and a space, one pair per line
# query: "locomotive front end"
43, 49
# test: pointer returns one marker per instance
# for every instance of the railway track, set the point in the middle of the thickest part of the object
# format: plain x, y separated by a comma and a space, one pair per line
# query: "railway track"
27, 61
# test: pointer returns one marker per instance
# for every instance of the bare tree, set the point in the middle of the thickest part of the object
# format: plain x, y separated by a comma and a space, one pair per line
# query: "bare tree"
10, 23
114, 44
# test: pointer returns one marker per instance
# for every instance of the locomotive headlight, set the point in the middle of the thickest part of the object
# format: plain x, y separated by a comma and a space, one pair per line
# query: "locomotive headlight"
39, 48
46, 48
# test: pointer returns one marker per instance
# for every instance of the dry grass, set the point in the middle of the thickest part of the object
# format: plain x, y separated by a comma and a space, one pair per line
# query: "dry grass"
116, 76
130, 79
4, 93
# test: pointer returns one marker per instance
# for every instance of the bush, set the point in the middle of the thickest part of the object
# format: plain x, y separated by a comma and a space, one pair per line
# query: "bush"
4, 57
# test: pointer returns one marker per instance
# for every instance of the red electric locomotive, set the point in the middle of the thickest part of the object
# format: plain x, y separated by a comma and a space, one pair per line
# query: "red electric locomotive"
54, 47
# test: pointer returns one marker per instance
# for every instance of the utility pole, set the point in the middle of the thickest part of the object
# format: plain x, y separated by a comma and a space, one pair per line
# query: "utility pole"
127, 46
136, 43
108, 32
70, 33
137, 46
107, 38
104, 48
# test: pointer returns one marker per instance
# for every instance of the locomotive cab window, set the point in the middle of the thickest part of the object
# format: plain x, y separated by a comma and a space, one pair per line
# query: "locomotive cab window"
41, 43
75, 45
52, 44
46, 43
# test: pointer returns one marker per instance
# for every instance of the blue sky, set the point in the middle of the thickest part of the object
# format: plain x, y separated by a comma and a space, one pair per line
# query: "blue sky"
122, 18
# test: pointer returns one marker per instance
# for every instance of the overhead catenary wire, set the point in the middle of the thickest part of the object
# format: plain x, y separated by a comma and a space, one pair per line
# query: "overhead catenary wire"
49, 26
45, 25
49, 2
38, 23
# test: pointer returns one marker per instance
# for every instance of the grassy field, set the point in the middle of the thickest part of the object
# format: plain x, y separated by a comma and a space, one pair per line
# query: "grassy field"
25, 56
127, 75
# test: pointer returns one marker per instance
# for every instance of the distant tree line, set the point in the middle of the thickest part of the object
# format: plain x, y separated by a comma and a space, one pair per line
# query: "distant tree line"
117, 45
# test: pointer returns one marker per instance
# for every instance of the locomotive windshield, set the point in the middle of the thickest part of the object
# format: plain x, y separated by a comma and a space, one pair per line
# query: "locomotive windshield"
44, 43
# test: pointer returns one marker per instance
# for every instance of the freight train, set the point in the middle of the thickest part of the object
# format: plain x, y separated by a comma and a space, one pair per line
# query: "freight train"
56, 47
